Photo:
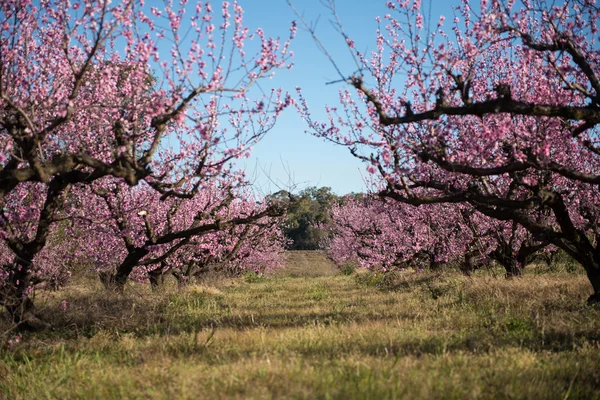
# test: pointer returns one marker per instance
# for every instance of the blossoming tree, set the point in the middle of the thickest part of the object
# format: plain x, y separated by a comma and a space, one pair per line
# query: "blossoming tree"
385, 234
95, 89
124, 231
500, 111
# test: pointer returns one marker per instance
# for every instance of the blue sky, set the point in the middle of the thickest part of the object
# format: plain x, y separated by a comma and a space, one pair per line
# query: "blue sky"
288, 152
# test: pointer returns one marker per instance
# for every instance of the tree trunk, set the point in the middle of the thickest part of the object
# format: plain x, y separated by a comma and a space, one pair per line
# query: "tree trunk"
595, 281
504, 256
157, 277
581, 249
434, 265
120, 277
572, 240
182, 279
513, 269
591, 263
15, 297
22, 311
470, 263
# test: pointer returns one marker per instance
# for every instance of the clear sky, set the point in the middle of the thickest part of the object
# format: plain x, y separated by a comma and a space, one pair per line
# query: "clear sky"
288, 152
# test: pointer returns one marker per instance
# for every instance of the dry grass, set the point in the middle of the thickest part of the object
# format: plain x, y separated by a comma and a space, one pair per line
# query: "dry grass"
413, 336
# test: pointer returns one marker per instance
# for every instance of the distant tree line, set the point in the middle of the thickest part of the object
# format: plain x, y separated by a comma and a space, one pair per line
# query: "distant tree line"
308, 218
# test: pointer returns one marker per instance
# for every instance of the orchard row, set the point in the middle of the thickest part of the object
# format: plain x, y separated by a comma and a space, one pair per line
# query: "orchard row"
119, 124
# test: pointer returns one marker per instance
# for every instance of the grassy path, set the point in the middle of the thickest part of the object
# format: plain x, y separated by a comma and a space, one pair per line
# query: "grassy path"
320, 337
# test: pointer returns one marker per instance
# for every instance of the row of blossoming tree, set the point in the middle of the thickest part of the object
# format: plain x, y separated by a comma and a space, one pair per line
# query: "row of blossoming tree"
119, 123
382, 235
497, 115
118, 126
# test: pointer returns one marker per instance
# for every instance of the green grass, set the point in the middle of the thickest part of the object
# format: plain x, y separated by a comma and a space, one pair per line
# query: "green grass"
413, 336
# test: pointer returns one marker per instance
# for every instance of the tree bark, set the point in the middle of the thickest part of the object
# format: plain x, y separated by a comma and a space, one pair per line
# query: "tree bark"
22, 312
120, 277
472, 261
15, 297
589, 258
157, 277
594, 278
513, 267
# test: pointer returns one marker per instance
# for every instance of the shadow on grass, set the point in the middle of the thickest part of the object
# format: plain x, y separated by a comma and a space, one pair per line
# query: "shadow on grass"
198, 343
88, 315
397, 281
72, 325
497, 315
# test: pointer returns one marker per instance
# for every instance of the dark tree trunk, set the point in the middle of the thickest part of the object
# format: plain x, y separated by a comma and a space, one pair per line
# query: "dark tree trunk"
472, 261
157, 277
572, 240
514, 269
435, 266
504, 256
184, 277
594, 277
118, 280
15, 297
15, 294
22, 312
589, 258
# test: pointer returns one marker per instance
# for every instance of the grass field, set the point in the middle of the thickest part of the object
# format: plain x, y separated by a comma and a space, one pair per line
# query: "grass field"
300, 335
